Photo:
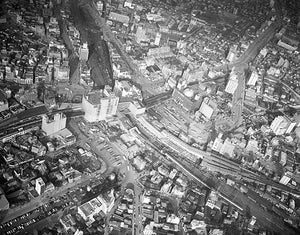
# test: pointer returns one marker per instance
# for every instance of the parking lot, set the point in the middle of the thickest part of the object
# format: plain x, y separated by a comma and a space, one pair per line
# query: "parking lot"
95, 137
111, 154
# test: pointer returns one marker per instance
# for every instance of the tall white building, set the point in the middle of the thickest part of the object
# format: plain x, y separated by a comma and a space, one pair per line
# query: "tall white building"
157, 39
84, 52
53, 124
232, 83
100, 105
128, 3
40, 185
140, 35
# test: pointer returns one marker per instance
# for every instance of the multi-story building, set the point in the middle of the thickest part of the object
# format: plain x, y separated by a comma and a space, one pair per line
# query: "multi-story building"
289, 43
40, 185
232, 83
100, 105
95, 206
282, 125
124, 19
3, 101
140, 35
84, 52
53, 124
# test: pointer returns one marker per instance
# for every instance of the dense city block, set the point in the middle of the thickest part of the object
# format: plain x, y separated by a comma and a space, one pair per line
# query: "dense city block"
150, 117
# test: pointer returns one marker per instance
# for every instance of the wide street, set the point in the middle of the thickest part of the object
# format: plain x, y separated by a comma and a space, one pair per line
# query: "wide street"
241, 64
130, 178
238, 98
137, 220
256, 46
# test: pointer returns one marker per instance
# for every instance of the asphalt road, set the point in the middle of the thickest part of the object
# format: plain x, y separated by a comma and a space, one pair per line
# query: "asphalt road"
137, 226
130, 177
257, 45
238, 98
241, 64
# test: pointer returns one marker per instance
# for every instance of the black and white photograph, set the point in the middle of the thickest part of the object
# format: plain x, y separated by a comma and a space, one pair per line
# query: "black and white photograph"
149, 117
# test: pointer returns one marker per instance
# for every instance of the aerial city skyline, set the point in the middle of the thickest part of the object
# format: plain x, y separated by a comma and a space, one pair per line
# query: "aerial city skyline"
150, 117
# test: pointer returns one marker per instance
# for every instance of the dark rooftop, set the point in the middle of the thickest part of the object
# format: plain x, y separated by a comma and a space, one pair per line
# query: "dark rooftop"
32, 112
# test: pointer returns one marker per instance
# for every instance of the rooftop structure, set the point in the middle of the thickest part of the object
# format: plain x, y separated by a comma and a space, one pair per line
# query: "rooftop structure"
95, 206
119, 17
282, 125
40, 186
84, 52
232, 83
53, 124
65, 136
206, 110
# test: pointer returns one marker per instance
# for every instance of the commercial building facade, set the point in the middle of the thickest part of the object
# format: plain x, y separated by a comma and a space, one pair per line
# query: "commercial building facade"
100, 105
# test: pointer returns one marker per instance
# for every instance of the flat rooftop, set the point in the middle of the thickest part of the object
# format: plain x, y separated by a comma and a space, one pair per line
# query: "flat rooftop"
94, 97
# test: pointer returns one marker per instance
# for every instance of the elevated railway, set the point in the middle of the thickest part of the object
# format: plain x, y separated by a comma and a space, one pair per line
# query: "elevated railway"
21, 123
